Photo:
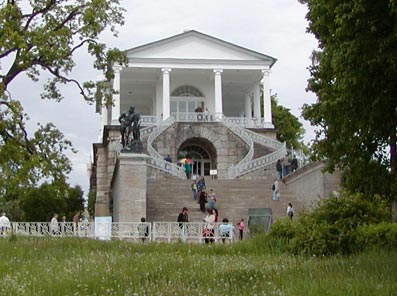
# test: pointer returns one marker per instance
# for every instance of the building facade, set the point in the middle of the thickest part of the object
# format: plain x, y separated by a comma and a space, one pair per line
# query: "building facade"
198, 96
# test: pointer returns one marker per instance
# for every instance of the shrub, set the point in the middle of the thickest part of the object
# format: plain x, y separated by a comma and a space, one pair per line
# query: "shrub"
331, 228
383, 235
283, 228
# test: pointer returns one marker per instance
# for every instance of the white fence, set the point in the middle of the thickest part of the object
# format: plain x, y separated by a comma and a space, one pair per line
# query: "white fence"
131, 231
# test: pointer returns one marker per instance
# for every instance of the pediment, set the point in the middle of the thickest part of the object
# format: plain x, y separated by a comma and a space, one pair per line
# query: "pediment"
197, 46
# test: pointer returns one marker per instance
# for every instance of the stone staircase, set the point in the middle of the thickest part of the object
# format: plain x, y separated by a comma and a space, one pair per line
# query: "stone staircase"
260, 150
167, 196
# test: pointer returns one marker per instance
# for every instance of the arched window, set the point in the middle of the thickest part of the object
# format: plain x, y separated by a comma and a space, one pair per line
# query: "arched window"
186, 91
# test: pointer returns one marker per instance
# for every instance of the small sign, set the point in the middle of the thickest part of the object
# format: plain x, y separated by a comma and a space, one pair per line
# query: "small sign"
103, 228
213, 172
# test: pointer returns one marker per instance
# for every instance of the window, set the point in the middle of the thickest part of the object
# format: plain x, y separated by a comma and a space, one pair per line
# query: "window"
186, 91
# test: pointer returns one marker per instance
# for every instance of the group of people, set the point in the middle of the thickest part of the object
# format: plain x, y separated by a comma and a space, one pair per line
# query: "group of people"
201, 196
276, 196
210, 222
286, 165
57, 228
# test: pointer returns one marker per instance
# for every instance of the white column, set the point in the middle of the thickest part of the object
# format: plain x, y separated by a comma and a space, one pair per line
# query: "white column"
218, 93
116, 112
257, 102
267, 105
166, 92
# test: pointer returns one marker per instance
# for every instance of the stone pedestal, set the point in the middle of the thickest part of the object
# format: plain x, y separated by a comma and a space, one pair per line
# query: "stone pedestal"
129, 188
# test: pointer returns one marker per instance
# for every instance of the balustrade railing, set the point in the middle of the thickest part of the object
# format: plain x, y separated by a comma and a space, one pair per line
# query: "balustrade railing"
155, 126
242, 134
156, 159
247, 164
131, 231
245, 122
147, 120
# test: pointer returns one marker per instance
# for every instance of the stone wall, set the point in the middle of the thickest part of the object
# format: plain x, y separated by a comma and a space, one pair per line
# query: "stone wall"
129, 187
310, 184
228, 148
105, 162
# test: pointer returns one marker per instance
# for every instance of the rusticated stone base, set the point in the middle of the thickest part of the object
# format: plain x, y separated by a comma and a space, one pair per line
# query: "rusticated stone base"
129, 188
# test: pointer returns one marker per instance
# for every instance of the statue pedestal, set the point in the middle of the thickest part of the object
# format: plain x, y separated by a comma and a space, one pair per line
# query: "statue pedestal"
129, 187
135, 147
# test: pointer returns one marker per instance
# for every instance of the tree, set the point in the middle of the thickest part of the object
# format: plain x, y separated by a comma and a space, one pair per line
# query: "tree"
40, 203
289, 129
354, 76
91, 200
43, 36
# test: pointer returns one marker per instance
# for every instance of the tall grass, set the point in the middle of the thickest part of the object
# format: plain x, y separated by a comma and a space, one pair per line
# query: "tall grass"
71, 266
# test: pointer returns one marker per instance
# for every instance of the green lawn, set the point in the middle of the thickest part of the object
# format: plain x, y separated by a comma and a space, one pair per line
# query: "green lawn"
68, 266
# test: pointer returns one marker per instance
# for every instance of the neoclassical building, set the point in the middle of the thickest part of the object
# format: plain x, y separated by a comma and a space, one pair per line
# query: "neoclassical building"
176, 75
197, 95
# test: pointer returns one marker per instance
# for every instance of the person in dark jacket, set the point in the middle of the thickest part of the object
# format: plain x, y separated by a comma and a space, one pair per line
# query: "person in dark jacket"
202, 199
182, 219
279, 169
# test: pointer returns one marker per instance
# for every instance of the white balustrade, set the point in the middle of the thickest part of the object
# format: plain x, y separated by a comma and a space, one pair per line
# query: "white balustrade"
156, 159
155, 126
132, 231
247, 164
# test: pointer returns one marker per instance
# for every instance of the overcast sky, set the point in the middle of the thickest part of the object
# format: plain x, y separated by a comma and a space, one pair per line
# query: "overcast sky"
273, 27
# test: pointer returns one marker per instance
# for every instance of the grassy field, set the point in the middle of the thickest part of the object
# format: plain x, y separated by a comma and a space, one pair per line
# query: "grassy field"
67, 266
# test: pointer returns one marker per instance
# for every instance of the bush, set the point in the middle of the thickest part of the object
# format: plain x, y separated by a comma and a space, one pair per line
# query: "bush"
283, 228
383, 235
331, 228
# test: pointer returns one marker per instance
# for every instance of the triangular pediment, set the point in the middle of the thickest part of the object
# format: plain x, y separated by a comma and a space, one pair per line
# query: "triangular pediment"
194, 45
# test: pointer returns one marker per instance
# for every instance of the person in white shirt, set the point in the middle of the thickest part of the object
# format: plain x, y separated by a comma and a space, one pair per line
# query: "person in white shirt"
209, 226
276, 190
54, 227
5, 224
290, 211
226, 230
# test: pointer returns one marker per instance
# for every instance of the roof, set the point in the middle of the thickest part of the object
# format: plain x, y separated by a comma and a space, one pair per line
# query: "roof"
209, 38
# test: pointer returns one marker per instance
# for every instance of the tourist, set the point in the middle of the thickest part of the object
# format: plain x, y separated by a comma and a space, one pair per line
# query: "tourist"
201, 183
63, 225
215, 212
54, 227
143, 230
279, 169
202, 199
76, 219
212, 199
276, 190
241, 227
209, 227
285, 165
5, 224
290, 211
188, 169
294, 164
168, 158
183, 216
182, 219
194, 190
206, 114
225, 229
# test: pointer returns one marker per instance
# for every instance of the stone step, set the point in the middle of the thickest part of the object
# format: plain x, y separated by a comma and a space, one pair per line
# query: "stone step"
167, 197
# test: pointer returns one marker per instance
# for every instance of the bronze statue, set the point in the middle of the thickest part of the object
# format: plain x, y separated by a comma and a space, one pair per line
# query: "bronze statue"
130, 121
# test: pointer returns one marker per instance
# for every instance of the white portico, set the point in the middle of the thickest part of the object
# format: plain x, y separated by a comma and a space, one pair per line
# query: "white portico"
189, 72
